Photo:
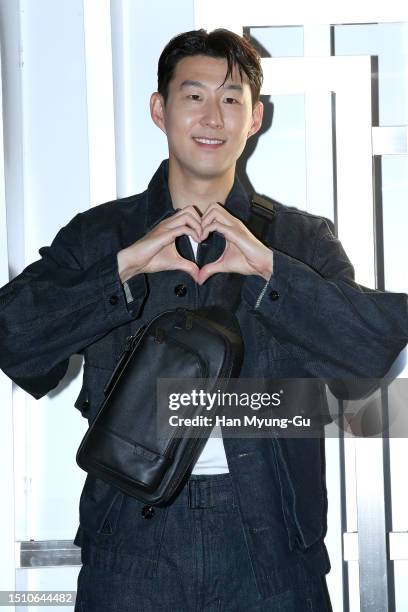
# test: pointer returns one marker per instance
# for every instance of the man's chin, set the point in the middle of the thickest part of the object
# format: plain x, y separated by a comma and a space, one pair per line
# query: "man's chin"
203, 169
209, 172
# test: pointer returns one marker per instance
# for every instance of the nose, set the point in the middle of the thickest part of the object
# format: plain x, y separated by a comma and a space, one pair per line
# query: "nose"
212, 116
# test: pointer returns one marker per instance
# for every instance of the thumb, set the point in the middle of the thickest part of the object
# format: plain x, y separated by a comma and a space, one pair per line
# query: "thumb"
206, 271
191, 268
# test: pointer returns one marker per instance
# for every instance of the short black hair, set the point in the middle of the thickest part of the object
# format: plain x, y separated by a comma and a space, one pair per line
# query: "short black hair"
219, 43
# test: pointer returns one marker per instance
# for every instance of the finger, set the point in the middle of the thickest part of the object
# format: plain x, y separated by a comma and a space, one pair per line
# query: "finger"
228, 231
187, 219
213, 218
192, 210
155, 244
189, 210
194, 273
217, 211
209, 269
169, 235
186, 266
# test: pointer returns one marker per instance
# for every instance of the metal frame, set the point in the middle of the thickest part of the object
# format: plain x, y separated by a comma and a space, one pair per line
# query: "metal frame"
47, 553
212, 13
319, 76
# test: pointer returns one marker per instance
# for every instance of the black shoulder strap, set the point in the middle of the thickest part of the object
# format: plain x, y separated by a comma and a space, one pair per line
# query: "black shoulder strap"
261, 216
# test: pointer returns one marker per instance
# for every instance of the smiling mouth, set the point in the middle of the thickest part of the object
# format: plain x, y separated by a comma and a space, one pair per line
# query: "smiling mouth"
208, 141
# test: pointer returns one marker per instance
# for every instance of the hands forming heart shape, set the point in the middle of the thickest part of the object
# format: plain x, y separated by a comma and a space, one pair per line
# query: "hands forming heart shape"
156, 251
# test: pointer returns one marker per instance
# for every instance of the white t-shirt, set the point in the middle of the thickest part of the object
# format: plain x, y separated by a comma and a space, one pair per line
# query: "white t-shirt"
212, 459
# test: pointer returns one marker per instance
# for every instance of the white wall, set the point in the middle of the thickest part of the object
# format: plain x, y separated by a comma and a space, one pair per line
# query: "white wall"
140, 32
7, 575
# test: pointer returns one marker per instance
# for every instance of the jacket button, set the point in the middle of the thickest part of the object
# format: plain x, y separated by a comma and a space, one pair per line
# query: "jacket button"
147, 512
113, 300
180, 290
274, 295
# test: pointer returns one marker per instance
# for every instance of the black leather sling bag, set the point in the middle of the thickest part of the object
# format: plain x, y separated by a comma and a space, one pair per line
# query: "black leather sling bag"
126, 445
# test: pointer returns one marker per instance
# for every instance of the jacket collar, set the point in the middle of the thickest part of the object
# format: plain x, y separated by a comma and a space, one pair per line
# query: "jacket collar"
159, 204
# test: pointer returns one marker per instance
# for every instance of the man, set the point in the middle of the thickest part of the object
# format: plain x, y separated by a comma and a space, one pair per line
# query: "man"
246, 531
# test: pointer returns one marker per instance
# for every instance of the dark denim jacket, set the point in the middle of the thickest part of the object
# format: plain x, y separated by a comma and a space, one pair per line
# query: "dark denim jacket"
309, 319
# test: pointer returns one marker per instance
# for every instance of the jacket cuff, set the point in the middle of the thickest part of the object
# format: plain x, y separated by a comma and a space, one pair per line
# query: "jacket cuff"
135, 291
267, 296
114, 294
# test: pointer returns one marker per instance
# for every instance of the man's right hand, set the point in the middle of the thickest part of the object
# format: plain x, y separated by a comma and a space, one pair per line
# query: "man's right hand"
156, 251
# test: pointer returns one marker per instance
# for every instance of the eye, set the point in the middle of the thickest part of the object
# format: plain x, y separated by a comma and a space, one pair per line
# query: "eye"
194, 97
231, 101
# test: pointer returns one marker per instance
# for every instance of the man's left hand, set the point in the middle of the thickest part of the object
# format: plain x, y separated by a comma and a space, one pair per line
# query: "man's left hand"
243, 252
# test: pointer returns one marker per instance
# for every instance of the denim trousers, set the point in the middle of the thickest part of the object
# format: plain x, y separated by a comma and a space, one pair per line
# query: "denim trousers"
204, 565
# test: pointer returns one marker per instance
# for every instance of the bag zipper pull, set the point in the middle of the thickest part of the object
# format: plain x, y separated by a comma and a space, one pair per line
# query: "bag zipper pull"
129, 344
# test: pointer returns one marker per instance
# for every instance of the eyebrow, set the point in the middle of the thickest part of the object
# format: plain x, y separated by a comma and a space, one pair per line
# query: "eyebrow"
190, 83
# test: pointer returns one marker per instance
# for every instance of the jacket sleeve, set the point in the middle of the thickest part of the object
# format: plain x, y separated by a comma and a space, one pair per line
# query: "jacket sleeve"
336, 328
57, 306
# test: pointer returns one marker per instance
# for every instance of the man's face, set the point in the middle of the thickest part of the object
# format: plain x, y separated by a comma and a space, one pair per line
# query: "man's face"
207, 125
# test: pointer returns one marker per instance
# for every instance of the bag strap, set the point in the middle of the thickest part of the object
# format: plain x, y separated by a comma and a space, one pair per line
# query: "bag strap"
261, 216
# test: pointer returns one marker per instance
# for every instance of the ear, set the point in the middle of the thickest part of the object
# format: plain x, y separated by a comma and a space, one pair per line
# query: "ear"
157, 110
256, 120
